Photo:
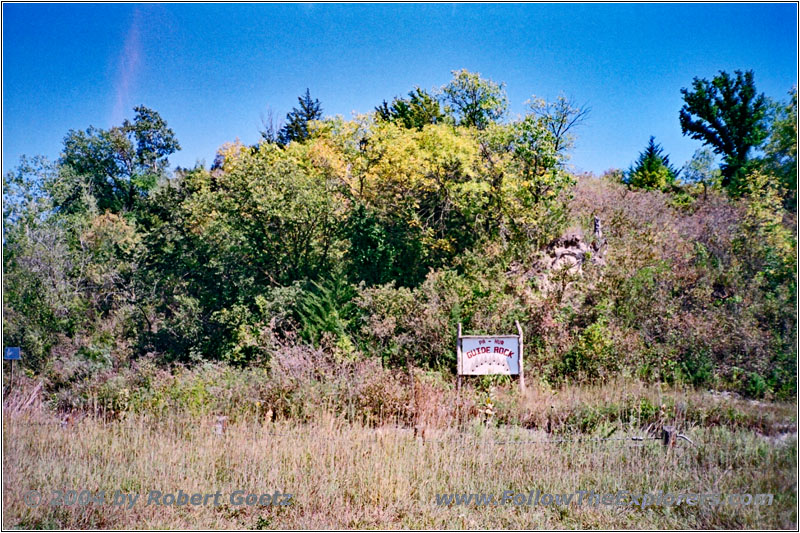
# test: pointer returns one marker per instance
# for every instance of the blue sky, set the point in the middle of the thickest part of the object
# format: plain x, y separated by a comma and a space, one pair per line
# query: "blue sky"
212, 70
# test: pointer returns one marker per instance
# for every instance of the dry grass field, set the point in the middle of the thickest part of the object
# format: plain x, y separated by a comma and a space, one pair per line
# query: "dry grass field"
343, 474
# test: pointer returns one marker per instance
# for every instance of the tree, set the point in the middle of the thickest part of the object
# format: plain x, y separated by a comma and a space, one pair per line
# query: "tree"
419, 109
271, 207
474, 101
700, 169
65, 270
123, 164
271, 127
780, 159
223, 243
384, 249
726, 114
559, 118
296, 127
154, 141
533, 146
415, 186
652, 170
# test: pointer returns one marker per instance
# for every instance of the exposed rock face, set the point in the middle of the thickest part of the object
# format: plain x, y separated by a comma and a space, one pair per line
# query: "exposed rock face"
572, 250
567, 256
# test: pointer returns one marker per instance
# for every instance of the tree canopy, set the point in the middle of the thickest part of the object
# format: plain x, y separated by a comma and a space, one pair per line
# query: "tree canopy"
700, 169
474, 101
727, 114
780, 152
560, 118
123, 164
416, 111
377, 235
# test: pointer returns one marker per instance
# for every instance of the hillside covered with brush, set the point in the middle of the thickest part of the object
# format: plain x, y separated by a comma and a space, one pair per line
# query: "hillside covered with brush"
334, 256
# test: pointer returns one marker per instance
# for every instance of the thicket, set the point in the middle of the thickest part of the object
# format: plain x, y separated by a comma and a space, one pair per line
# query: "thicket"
362, 246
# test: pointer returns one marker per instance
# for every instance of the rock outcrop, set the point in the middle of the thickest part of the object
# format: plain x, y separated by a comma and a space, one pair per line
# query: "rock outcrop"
566, 258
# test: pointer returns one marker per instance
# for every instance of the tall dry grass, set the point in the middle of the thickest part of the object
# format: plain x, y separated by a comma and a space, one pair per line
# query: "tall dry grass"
346, 475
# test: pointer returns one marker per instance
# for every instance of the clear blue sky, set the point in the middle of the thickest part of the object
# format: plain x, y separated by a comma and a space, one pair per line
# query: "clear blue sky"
212, 70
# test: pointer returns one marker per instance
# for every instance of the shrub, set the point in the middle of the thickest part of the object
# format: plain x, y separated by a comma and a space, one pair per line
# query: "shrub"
592, 356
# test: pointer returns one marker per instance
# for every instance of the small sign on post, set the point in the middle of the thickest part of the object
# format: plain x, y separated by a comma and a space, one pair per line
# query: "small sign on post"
11, 353
482, 355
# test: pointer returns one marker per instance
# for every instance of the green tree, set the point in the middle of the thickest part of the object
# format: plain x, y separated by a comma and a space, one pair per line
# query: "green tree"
526, 189
224, 244
39, 300
700, 169
384, 249
559, 118
533, 146
123, 164
419, 109
271, 208
727, 114
780, 159
652, 169
66, 271
327, 308
474, 101
296, 127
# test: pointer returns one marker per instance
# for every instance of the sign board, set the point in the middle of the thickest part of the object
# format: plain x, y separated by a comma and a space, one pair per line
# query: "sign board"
11, 354
483, 355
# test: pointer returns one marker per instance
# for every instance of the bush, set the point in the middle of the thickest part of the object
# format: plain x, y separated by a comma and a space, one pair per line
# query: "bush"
698, 290
592, 357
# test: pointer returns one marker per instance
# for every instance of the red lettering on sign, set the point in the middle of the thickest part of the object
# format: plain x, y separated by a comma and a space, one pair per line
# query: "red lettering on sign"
504, 351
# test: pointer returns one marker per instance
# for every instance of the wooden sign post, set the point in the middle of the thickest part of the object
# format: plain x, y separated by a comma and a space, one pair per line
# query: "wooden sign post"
521, 366
483, 355
458, 356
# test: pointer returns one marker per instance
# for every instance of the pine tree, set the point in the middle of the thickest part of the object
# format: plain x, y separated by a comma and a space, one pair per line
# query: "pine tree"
652, 170
296, 127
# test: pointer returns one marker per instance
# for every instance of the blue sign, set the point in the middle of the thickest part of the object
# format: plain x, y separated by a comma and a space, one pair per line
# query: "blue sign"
11, 354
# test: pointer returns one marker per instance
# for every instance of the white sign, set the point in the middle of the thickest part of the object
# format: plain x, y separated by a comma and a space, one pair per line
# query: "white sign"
484, 355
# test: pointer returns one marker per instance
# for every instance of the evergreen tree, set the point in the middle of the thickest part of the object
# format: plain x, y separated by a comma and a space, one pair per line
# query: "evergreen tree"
296, 127
652, 170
